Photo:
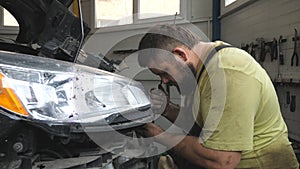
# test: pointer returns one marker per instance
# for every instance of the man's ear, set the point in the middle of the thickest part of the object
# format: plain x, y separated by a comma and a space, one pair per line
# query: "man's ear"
181, 53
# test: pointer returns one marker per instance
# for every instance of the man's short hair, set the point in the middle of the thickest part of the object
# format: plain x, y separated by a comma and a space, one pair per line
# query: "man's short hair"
165, 37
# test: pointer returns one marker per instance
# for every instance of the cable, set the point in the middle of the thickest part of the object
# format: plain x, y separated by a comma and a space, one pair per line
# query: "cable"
82, 30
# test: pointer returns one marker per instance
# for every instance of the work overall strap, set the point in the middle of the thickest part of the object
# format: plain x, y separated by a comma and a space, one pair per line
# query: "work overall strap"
209, 57
196, 130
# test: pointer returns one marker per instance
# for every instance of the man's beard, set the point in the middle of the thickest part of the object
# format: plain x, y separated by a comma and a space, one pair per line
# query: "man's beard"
188, 81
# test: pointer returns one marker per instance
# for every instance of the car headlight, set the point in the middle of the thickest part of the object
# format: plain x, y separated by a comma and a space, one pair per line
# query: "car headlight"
50, 90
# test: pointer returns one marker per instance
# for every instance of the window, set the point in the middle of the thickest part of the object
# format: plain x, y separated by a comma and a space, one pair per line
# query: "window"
229, 6
113, 12
121, 12
8, 19
158, 8
228, 2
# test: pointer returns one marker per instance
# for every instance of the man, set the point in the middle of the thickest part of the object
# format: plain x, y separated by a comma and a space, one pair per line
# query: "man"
237, 112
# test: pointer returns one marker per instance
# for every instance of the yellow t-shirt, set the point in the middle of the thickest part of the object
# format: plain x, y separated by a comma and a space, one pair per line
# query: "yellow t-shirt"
239, 110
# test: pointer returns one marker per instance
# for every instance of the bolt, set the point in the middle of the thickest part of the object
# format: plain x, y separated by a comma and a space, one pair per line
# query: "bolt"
18, 147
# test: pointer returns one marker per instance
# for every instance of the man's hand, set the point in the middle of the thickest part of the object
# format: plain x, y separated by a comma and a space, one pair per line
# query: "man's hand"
159, 100
149, 130
161, 104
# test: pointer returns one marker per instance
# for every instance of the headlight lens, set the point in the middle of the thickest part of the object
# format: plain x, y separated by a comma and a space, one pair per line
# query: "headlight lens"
51, 90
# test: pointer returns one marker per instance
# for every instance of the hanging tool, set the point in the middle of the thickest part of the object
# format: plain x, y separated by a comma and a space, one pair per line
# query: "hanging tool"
251, 50
244, 47
288, 97
274, 50
268, 50
295, 53
293, 103
280, 55
262, 53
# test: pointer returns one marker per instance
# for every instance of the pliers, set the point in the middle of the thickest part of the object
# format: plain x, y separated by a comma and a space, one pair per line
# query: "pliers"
295, 53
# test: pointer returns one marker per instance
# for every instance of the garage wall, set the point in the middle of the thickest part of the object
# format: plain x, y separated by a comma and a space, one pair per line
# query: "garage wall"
8, 34
269, 19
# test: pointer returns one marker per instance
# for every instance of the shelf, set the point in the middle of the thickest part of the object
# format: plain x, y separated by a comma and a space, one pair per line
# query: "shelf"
290, 82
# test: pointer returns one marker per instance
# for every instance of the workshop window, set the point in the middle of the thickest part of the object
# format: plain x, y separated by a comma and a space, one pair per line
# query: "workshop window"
113, 12
8, 19
228, 2
158, 8
122, 12
230, 6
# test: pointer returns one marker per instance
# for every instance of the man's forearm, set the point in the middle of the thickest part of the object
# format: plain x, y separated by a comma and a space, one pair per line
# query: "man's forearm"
171, 112
192, 150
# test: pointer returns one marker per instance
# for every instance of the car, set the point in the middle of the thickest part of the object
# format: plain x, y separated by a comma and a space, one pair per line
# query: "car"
55, 112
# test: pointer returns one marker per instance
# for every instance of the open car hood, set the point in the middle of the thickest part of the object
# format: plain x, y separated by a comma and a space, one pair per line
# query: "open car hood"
49, 24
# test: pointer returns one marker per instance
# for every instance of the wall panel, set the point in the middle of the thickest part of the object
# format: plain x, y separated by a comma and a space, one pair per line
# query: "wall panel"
269, 19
